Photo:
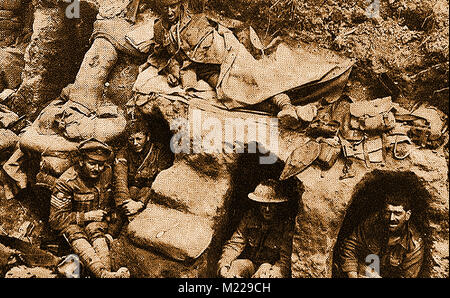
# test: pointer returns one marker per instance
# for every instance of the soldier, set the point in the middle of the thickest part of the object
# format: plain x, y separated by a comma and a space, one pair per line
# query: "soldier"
80, 202
136, 166
187, 50
262, 244
390, 236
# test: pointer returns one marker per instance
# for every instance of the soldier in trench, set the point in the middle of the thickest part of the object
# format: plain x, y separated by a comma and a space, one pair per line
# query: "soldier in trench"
136, 166
391, 236
80, 202
262, 244
188, 49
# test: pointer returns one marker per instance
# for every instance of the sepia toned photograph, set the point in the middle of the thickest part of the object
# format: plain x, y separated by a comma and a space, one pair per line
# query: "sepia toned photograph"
200, 141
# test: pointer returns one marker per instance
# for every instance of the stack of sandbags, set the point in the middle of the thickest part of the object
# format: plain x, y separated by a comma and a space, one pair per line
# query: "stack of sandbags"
58, 130
9, 22
178, 235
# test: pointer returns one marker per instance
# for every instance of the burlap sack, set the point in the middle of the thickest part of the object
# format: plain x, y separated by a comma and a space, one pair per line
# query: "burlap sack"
179, 235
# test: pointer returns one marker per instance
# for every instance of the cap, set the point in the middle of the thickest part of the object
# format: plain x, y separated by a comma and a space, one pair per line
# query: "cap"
266, 192
95, 149
170, 2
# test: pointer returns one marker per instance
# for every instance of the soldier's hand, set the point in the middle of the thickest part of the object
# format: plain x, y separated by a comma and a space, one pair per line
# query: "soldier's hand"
263, 271
275, 272
95, 215
131, 207
172, 80
225, 272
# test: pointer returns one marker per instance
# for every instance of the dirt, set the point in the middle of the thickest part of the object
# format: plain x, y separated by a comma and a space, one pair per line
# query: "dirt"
407, 39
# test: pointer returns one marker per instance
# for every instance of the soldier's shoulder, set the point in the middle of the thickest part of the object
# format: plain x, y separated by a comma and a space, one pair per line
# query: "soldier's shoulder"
200, 19
416, 238
69, 175
159, 146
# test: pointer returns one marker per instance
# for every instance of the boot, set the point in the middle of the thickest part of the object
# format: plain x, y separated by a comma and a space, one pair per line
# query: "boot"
101, 248
288, 115
92, 261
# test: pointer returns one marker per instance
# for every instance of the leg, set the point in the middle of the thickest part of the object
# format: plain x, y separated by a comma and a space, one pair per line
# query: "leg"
94, 70
288, 115
96, 234
242, 268
77, 238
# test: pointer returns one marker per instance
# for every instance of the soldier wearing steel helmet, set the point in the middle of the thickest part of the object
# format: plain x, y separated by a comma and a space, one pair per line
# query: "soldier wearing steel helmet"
262, 244
80, 202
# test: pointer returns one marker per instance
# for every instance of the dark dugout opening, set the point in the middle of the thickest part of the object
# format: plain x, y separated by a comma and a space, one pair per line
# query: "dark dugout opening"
368, 199
246, 175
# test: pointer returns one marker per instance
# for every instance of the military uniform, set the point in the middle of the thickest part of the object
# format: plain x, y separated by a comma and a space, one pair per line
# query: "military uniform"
73, 196
186, 49
401, 258
134, 172
80, 199
260, 242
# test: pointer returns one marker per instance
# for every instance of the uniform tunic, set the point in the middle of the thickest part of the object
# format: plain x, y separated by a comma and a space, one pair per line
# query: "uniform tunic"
73, 196
134, 172
260, 242
401, 258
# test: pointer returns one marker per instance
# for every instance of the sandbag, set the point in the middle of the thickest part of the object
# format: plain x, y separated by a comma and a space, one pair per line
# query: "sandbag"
73, 122
8, 139
34, 141
79, 124
179, 235
55, 163
7, 117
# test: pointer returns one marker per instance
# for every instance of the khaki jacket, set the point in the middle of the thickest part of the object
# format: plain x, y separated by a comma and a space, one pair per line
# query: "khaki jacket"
138, 170
72, 196
403, 258
260, 242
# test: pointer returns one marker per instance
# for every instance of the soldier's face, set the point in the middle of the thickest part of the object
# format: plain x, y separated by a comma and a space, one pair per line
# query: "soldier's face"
172, 12
396, 217
268, 211
137, 141
92, 168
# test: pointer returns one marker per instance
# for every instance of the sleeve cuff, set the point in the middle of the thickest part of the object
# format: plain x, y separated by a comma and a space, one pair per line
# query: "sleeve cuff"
80, 217
350, 267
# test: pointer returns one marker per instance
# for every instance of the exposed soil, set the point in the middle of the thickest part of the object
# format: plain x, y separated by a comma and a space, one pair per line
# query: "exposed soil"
407, 41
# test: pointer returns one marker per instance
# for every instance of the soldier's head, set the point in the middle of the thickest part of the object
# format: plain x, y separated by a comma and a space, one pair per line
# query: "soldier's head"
172, 10
138, 135
397, 211
94, 155
269, 199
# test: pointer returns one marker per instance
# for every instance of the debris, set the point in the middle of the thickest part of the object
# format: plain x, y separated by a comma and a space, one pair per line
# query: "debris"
30, 254
26, 272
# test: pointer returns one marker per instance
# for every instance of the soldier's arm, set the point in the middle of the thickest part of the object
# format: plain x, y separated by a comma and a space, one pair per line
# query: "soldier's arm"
120, 178
412, 263
235, 246
61, 215
144, 195
349, 252
164, 159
